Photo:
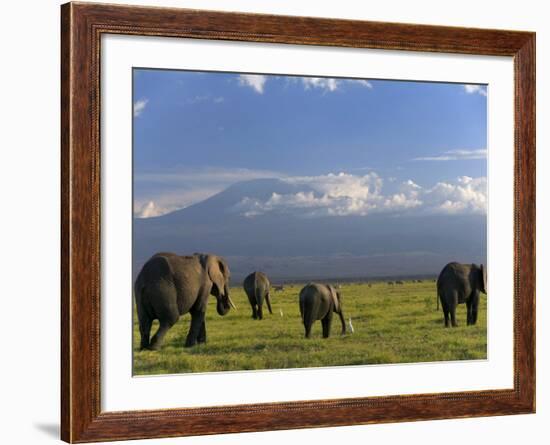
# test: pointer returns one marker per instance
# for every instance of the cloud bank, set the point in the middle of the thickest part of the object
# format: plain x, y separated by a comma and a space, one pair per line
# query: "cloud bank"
326, 84
345, 194
332, 194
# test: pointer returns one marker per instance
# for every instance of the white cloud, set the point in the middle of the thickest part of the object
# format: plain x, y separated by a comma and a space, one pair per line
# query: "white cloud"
456, 155
345, 194
139, 106
149, 210
476, 89
254, 81
342, 184
360, 82
468, 195
165, 200
328, 84
332, 194
401, 201
410, 184
320, 82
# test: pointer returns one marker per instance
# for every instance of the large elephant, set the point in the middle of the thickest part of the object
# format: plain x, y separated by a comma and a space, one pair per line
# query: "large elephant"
170, 285
319, 302
256, 285
461, 283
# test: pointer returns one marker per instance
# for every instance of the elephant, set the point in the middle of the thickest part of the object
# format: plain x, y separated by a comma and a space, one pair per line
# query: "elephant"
318, 302
461, 283
170, 285
256, 285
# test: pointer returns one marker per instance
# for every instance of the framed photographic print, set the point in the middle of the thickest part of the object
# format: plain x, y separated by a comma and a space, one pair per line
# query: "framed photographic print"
275, 222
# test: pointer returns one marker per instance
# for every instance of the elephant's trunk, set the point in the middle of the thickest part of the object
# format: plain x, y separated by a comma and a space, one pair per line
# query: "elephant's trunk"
268, 302
225, 302
221, 307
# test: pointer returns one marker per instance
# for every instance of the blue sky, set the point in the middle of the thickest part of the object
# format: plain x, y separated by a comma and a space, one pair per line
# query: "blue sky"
420, 144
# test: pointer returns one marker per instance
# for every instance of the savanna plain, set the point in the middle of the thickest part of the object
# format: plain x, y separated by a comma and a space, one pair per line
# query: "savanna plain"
391, 324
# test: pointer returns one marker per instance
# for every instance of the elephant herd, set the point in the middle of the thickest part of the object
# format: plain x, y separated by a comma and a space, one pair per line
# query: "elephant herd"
317, 302
169, 286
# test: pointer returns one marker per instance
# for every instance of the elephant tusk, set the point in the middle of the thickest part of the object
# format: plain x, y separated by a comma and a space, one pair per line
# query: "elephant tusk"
231, 303
351, 326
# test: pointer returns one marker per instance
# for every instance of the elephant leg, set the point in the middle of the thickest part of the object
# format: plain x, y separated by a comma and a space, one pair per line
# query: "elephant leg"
475, 306
451, 300
326, 323
158, 338
307, 327
202, 333
145, 331
254, 312
197, 320
446, 312
447, 318
260, 312
453, 316
468, 312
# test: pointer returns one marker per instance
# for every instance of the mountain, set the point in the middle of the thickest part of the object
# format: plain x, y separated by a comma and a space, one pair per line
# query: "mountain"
223, 204
290, 245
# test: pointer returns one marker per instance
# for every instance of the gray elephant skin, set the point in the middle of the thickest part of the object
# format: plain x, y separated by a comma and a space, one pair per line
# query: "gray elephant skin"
461, 283
320, 302
256, 285
170, 285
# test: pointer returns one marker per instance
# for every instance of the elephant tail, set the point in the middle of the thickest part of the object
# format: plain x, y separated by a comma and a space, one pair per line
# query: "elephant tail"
258, 291
139, 288
309, 308
153, 271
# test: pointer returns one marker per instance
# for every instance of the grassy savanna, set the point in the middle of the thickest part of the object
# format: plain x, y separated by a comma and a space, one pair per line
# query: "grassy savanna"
393, 324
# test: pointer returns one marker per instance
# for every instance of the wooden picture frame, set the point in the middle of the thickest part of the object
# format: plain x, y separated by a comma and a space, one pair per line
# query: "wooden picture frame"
82, 26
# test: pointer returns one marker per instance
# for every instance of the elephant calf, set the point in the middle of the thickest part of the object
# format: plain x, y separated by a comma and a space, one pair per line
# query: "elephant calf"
461, 283
256, 285
170, 285
318, 302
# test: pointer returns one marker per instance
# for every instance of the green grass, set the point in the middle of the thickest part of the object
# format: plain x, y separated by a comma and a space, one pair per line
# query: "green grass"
393, 324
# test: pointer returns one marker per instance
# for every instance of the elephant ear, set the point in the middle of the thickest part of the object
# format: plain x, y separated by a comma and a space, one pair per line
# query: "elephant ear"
334, 296
216, 270
483, 278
